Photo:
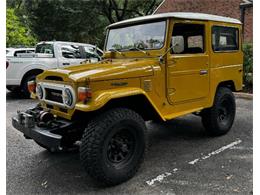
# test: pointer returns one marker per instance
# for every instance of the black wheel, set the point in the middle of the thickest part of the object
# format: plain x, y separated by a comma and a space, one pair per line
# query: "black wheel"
24, 87
113, 145
219, 119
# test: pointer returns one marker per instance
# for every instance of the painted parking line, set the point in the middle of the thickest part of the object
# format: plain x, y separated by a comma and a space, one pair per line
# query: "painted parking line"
215, 152
162, 176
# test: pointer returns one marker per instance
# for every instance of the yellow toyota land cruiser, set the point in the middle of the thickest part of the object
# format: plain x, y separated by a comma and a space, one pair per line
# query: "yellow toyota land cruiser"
156, 67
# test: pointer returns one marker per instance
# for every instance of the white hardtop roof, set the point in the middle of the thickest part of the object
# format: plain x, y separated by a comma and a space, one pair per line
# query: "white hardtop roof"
182, 15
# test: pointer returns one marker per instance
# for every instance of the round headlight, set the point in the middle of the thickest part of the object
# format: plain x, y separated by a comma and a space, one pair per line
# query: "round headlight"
68, 98
39, 91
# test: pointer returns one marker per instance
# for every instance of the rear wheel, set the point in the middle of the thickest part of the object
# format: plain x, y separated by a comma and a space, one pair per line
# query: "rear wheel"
113, 145
219, 119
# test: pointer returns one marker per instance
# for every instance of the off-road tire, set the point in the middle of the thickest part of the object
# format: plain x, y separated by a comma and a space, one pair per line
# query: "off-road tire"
219, 119
96, 144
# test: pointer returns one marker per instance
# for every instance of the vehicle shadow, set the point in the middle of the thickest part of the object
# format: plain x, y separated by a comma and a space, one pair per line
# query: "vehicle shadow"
65, 169
14, 95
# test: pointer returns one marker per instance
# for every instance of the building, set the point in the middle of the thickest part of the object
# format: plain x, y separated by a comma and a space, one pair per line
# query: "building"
240, 9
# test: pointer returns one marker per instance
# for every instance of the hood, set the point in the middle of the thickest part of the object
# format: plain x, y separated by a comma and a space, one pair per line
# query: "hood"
107, 70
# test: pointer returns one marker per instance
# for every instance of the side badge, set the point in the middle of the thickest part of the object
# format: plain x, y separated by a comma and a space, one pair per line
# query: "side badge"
148, 85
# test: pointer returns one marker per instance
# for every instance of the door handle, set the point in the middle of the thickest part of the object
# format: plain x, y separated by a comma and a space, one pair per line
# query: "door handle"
65, 64
202, 72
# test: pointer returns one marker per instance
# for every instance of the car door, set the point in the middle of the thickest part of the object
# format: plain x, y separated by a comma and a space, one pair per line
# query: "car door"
188, 64
70, 54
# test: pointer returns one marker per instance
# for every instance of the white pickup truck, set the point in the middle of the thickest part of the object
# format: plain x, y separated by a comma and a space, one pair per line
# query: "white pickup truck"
48, 55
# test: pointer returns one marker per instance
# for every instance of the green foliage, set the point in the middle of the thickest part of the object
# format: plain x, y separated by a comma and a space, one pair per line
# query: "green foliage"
16, 32
64, 20
77, 20
248, 65
117, 10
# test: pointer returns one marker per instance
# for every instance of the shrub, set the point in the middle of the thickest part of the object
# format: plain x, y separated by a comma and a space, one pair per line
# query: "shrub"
248, 65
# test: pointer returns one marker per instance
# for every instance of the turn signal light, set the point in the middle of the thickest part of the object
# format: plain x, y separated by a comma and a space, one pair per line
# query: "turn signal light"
31, 86
84, 94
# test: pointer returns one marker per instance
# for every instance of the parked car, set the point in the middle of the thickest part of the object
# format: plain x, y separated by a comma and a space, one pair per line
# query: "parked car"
156, 67
14, 52
24, 67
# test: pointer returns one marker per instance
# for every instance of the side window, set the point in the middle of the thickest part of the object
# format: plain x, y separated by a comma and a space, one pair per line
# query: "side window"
225, 38
44, 48
188, 38
90, 52
29, 51
71, 51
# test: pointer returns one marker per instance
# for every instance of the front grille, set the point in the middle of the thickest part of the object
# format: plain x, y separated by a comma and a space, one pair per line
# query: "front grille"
54, 95
54, 78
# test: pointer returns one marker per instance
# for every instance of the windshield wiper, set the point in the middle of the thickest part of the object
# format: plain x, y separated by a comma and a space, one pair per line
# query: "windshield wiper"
137, 48
115, 50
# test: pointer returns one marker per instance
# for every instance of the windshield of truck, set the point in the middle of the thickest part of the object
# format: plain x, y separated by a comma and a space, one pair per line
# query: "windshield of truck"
44, 48
147, 36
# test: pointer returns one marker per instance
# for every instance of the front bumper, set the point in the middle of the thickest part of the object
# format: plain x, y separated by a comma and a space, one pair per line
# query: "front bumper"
50, 138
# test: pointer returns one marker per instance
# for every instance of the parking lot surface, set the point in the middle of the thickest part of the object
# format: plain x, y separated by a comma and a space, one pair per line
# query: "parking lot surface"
182, 159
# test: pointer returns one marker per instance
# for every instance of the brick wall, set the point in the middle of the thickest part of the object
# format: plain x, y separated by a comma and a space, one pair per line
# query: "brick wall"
248, 25
228, 8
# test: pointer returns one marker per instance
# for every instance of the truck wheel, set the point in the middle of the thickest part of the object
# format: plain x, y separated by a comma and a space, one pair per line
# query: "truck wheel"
219, 119
113, 145
24, 87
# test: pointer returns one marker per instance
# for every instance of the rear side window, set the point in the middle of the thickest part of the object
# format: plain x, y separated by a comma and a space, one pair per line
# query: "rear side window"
44, 48
225, 38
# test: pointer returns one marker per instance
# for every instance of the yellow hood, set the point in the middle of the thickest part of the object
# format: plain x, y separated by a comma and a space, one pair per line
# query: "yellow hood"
106, 70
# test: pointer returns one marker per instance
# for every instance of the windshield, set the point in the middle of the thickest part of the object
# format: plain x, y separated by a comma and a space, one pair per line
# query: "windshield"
44, 48
143, 36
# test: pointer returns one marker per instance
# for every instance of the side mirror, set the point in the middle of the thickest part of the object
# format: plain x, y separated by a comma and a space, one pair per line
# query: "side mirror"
177, 44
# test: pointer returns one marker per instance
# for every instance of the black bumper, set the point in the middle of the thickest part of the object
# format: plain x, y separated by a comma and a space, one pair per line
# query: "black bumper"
45, 137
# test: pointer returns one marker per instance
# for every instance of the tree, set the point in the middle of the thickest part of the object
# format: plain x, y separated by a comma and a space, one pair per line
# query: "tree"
16, 33
77, 20
117, 10
65, 21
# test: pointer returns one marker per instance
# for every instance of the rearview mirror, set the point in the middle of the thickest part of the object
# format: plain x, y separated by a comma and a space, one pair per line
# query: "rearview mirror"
177, 44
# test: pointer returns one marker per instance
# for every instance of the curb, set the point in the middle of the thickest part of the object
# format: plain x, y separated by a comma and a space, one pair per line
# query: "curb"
244, 95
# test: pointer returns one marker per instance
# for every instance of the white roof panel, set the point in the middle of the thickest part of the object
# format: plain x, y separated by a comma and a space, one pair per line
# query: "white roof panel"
182, 15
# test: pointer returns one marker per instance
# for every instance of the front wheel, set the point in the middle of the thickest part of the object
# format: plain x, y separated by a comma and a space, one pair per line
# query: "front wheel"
219, 119
113, 145
24, 86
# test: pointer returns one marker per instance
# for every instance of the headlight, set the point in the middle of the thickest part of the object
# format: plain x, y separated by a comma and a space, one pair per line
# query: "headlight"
39, 91
68, 98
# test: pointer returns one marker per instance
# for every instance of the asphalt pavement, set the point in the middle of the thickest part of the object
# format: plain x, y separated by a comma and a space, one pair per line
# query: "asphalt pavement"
182, 159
